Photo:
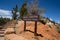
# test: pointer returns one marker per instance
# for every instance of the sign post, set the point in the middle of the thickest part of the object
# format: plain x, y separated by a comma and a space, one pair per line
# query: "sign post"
24, 25
35, 29
31, 18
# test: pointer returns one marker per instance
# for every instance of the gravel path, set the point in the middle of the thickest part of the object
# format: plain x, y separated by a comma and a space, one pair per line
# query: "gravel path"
1, 38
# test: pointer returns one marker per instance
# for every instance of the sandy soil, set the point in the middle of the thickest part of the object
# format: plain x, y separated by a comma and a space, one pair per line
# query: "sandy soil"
1, 38
46, 33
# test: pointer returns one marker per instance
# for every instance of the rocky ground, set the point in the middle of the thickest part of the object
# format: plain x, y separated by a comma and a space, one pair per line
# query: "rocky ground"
1, 38
2, 34
45, 32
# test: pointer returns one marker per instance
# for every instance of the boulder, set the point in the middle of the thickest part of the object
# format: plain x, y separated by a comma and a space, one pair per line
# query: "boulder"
9, 31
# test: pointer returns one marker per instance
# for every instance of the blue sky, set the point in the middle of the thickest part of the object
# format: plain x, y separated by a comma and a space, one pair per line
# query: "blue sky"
52, 8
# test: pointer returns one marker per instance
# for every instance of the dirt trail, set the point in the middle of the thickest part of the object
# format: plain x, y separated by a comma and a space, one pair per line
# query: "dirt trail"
2, 34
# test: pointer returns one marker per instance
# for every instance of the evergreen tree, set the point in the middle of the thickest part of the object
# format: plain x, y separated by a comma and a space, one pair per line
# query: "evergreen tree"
23, 10
14, 12
3, 21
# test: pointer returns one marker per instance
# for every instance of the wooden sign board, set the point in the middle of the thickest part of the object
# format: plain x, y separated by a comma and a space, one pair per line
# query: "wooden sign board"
31, 18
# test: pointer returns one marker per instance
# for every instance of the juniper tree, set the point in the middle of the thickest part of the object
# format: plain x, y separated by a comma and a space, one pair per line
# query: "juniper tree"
14, 12
23, 10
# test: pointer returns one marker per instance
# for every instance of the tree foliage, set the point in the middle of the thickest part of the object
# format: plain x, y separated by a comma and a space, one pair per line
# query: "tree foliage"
34, 8
14, 12
4, 20
23, 10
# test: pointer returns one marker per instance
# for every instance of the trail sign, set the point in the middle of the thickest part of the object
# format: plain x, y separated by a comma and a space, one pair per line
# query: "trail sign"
31, 18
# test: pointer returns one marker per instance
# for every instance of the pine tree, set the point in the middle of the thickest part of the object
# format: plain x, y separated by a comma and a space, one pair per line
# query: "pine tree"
14, 12
23, 10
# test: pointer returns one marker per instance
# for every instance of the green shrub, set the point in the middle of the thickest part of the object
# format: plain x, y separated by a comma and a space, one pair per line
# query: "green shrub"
53, 35
50, 26
3, 20
47, 30
42, 22
58, 29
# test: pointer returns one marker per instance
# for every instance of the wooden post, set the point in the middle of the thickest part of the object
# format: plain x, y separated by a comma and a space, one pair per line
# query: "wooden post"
35, 29
24, 25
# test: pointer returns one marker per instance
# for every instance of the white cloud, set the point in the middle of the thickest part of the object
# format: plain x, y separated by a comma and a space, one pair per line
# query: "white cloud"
51, 19
7, 17
58, 21
5, 13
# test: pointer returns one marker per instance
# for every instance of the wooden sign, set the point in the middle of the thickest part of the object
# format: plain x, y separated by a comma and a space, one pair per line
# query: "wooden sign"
31, 18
